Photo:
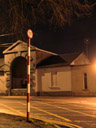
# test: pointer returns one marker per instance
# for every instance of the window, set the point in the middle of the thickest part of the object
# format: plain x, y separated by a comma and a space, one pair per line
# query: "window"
54, 79
85, 81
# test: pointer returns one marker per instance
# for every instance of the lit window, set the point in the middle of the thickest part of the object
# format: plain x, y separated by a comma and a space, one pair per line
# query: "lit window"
85, 81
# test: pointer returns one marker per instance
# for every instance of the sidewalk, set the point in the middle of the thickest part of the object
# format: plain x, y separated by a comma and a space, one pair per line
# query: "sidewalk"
11, 121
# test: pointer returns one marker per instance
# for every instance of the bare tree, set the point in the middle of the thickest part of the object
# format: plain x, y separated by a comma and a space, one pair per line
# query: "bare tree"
19, 15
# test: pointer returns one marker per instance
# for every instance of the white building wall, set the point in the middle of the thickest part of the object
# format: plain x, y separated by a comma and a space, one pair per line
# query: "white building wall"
54, 79
78, 80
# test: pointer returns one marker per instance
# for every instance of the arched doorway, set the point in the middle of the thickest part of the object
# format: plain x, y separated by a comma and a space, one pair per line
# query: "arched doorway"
19, 73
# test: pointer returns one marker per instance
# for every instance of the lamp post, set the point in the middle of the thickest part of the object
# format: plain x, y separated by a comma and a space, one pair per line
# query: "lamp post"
30, 35
86, 41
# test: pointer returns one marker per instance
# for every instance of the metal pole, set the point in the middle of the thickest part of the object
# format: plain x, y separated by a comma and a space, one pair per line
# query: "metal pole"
28, 83
86, 41
30, 35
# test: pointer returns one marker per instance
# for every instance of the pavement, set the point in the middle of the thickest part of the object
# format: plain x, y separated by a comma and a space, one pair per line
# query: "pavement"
73, 112
13, 121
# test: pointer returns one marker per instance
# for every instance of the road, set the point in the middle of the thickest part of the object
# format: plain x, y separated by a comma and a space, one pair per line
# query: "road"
75, 112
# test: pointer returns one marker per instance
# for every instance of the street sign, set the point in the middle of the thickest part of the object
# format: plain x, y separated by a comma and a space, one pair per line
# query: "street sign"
30, 33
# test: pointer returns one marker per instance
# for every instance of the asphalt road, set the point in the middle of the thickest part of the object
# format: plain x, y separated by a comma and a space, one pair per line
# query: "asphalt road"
75, 112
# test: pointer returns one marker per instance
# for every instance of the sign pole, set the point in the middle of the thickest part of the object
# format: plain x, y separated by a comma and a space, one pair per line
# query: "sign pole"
30, 35
28, 83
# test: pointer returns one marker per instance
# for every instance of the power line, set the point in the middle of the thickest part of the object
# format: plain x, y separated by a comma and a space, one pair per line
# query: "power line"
2, 35
6, 44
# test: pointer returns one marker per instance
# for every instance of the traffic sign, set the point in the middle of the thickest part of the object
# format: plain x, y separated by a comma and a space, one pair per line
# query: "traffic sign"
30, 33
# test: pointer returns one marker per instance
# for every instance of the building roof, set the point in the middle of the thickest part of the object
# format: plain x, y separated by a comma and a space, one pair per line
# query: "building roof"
70, 56
45, 58
52, 60
4, 46
20, 46
61, 60
24, 47
14, 47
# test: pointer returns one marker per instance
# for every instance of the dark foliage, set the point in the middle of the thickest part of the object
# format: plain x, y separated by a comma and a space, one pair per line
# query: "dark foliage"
16, 16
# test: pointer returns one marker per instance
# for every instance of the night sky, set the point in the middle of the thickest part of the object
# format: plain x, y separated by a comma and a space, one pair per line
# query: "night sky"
64, 40
68, 39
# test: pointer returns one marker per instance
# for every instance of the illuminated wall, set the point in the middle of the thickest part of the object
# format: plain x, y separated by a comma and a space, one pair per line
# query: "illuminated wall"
56, 79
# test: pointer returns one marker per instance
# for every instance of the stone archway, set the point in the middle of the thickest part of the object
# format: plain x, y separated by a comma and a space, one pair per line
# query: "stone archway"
19, 73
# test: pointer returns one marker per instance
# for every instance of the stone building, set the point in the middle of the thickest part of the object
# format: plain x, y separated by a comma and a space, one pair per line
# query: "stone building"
15, 67
51, 74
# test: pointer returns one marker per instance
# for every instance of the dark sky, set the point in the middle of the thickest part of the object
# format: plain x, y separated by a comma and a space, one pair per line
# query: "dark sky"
69, 39
64, 40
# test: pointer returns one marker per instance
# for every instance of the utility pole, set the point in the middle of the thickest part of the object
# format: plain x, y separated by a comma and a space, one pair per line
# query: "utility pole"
30, 35
86, 41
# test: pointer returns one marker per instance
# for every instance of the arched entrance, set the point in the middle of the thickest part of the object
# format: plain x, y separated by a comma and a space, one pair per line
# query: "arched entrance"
19, 73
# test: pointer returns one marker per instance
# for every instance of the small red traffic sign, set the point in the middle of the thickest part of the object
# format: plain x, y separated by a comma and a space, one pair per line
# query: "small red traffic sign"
30, 33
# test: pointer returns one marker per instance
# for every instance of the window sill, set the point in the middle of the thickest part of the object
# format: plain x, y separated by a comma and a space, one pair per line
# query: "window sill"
85, 89
54, 87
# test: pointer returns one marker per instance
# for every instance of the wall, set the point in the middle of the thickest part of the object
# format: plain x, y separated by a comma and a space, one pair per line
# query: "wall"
81, 60
9, 58
3, 88
78, 80
57, 79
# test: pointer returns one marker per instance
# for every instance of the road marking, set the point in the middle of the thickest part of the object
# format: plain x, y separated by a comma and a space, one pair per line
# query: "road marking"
49, 113
60, 123
57, 122
22, 114
67, 109
81, 106
84, 121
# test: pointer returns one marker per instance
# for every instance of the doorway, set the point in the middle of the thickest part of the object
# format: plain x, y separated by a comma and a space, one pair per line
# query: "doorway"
19, 73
